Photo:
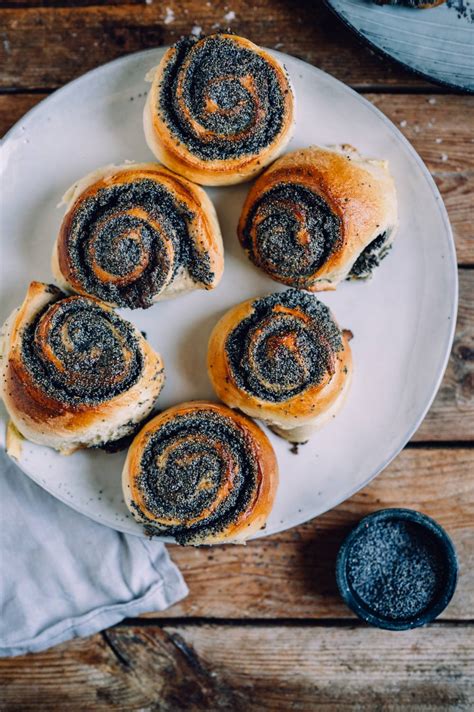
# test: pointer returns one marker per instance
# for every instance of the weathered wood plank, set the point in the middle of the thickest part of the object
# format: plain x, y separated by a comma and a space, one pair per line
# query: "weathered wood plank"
457, 190
433, 125
47, 46
291, 575
14, 106
451, 416
433, 128
243, 668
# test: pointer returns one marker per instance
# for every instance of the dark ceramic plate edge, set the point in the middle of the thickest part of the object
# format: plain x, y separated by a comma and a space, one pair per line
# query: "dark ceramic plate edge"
461, 88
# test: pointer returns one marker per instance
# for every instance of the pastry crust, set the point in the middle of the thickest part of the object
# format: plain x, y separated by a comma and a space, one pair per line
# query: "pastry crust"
177, 154
136, 287
42, 416
298, 416
357, 196
203, 525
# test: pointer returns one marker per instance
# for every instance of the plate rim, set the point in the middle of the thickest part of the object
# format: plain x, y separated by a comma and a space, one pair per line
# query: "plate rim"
451, 264
363, 39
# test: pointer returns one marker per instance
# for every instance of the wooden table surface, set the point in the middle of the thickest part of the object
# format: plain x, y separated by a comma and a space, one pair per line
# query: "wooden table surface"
263, 627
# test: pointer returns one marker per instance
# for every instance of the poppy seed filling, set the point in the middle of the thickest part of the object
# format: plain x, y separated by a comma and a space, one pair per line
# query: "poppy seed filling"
290, 232
370, 257
275, 355
186, 463
98, 353
233, 101
117, 243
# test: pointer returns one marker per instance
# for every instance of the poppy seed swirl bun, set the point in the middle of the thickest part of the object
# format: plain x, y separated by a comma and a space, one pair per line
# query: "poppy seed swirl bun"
282, 359
74, 374
318, 216
201, 473
137, 233
219, 110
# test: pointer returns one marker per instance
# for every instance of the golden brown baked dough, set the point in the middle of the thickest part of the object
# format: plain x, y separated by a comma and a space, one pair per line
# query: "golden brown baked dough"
136, 233
201, 473
282, 359
318, 216
219, 109
74, 374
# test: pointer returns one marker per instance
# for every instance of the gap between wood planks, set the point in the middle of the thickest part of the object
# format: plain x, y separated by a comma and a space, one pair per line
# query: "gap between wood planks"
439, 445
265, 623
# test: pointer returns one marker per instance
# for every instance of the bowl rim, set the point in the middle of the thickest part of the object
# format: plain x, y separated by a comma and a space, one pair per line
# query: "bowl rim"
442, 600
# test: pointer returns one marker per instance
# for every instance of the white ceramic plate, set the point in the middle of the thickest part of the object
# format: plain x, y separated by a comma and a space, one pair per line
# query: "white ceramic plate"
403, 320
436, 42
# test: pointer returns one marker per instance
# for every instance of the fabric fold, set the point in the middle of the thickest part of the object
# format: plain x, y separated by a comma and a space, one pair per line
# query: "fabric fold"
65, 576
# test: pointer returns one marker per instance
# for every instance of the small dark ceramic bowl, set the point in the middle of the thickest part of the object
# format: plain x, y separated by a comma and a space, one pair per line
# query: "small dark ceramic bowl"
429, 531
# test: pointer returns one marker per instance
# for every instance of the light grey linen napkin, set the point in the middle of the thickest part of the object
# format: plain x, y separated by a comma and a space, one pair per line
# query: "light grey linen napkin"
62, 575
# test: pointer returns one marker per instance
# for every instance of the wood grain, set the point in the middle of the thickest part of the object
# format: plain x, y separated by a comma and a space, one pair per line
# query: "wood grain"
291, 575
431, 123
451, 416
457, 190
242, 669
433, 129
14, 106
44, 47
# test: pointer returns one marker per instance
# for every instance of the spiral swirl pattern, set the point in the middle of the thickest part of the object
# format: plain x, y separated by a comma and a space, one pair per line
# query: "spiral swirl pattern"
289, 232
79, 353
125, 242
287, 345
198, 473
221, 98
